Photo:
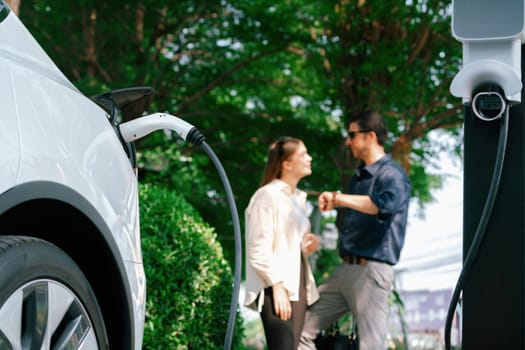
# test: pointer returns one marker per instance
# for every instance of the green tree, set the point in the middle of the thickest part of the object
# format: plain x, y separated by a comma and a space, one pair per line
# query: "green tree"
245, 72
397, 57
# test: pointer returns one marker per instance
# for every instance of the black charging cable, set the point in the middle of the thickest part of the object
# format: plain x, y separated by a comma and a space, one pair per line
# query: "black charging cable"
195, 137
482, 225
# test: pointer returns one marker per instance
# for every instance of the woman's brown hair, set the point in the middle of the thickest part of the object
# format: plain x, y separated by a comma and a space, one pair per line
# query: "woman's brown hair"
279, 151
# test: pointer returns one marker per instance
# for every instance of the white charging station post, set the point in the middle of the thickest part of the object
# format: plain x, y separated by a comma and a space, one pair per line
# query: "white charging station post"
493, 302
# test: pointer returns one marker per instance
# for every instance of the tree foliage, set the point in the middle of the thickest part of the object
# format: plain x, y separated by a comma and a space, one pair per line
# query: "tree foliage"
246, 72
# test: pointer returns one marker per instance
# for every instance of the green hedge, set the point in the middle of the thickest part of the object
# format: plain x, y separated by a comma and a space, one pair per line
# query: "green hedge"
189, 283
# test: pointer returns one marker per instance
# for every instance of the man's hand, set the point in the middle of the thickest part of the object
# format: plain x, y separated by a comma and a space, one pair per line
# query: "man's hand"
325, 201
281, 302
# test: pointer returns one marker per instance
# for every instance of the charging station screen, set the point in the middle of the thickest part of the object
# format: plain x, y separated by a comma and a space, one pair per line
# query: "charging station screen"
487, 19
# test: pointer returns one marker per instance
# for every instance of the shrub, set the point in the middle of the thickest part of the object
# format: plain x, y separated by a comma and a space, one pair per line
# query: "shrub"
189, 283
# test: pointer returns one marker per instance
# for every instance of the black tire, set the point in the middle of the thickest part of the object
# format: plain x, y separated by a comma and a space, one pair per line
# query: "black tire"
45, 300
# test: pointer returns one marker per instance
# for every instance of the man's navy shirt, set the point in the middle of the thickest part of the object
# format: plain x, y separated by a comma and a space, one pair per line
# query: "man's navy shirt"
377, 237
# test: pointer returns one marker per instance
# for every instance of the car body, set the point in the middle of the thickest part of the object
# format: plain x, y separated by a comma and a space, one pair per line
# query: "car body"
71, 272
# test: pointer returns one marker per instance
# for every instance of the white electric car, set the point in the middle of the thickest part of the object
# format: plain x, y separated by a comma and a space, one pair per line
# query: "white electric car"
71, 273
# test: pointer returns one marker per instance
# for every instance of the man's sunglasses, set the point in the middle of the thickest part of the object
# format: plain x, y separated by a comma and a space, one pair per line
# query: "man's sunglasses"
351, 134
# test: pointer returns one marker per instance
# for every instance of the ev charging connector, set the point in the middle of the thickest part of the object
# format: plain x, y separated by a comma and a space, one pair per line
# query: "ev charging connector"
140, 127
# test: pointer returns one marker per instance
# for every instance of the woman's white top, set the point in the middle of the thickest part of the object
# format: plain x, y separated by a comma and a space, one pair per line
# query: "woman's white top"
276, 224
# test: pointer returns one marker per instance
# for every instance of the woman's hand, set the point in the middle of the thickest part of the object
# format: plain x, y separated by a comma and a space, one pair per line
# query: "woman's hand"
281, 302
311, 243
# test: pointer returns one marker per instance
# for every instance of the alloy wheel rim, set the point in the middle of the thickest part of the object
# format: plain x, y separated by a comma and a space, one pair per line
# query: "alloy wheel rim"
45, 314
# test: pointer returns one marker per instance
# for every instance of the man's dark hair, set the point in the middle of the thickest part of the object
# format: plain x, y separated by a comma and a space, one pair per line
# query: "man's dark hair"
370, 120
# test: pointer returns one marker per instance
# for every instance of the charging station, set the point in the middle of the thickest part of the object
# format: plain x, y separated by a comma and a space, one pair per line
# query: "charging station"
490, 83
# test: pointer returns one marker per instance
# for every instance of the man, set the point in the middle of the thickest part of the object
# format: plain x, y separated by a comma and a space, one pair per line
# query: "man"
370, 240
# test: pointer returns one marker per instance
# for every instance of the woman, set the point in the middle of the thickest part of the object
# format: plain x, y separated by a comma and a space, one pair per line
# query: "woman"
279, 282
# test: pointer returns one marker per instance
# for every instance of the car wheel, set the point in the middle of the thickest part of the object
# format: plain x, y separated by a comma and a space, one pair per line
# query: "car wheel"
45, 299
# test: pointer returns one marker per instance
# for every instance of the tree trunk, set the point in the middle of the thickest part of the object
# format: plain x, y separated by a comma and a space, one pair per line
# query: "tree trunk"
401, 150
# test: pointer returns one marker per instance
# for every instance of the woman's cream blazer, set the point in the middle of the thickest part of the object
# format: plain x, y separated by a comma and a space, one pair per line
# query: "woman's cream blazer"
274, 243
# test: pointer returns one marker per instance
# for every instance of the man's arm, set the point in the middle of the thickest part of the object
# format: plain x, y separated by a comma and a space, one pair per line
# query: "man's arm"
362, 203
